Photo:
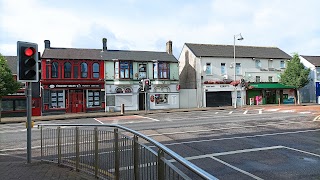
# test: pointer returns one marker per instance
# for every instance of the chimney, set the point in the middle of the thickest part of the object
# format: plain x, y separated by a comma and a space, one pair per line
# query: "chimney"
169, 47
104, 44
46, 44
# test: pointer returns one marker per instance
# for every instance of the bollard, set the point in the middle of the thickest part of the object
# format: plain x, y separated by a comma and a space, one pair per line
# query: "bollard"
122, 108
279, 101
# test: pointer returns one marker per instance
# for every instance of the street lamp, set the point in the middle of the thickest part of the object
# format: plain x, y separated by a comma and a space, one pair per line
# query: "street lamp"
239, 38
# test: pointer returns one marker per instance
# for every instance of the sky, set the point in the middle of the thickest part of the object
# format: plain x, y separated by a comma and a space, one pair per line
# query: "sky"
146, 25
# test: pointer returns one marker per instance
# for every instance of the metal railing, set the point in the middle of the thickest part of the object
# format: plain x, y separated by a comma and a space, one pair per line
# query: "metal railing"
114, 152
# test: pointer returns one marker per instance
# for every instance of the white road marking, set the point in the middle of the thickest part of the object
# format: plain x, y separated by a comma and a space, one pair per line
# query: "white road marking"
245, 112
243, 137
260, 111
230, 112
98, 120
150, 118
306, 112
284, 111
237, 169
271, 109
233, 152
216, 112
298, 150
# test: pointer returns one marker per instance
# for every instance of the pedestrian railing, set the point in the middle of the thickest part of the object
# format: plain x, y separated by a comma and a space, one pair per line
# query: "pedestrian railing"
114, 152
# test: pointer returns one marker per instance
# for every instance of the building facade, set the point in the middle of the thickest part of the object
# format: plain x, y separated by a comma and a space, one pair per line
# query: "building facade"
219, 79
311, 92
124, 71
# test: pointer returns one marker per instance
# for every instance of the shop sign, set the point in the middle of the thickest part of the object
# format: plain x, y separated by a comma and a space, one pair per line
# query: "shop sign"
75, 86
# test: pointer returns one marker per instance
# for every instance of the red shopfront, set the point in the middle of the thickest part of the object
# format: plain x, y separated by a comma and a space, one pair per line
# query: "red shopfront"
73, 97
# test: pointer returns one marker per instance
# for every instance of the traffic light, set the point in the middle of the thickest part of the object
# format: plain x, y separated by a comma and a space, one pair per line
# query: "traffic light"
27, 64
141, 85
147, 83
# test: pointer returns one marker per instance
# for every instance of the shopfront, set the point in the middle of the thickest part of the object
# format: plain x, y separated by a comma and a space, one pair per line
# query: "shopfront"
72, 98
270, 93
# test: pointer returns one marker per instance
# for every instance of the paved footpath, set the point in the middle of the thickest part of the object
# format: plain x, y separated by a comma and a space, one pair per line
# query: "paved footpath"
12, 168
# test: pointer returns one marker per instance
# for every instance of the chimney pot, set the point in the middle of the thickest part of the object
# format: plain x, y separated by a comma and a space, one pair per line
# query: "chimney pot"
169, 47
46, 44
104, 44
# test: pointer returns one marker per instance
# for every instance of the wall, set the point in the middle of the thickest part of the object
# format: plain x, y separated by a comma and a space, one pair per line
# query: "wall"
191, 101
187, 71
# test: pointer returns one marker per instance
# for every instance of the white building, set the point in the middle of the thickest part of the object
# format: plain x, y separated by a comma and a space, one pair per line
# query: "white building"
311, 92
210, 76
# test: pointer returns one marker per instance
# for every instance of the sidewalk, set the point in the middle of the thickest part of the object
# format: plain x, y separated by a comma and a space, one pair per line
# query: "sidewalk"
305, 106
13, 167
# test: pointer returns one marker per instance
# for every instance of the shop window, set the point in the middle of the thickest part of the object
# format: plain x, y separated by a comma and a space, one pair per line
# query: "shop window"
161, 70
208, 69
93, 98
161, 99
95, 70
84, 70
142, 71
54, 70
67, 70
7, 105
20, 104
57, 99
123, 70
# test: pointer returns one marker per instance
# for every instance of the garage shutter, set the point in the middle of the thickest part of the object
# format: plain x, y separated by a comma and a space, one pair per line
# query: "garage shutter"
216, 99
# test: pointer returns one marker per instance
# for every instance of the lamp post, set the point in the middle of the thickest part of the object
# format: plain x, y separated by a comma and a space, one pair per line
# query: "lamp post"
239, 38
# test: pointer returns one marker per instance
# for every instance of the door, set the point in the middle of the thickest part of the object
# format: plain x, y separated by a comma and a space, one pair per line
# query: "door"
216, 99
76, 103
142, 101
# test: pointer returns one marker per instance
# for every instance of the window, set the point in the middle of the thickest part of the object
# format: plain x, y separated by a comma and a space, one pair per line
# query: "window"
160, 70
318, 73
119, 90
238, 69
95, 70
20, 104
258, 64
142, 71
208, 69
257, 78
161, 99
223, 69
7, 105
84, 70
270, 63
54, 70
270, 79
123, 70
128, 90
57, 99
67, 70
163, 70
282, 64
93, 98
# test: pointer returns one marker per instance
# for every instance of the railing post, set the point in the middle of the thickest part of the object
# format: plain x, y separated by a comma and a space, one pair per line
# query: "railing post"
77, 149
161, 169
59, 143
116, 154
136, 157
41, 143
96, 152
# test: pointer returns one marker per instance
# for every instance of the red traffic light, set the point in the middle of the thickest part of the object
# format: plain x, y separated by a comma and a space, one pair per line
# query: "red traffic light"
29, 51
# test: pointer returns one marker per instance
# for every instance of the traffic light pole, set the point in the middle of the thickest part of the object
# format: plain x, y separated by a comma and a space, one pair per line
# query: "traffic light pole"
29, 114
145, 101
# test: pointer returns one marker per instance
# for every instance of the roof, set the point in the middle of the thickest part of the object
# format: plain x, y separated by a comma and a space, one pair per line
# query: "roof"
12, 63
211, 50
315, 60
98, 54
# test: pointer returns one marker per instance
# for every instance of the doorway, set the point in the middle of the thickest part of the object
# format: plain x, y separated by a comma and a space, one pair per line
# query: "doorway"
142, 101
76, 102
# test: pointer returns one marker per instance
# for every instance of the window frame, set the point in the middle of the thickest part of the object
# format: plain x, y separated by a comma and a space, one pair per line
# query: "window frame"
223, 69
208, 68
54, 72
282, 64
142, 69
238, 69
65, 70
258, 79
163, 72
270, 78
84, 71
95, 71
258, 63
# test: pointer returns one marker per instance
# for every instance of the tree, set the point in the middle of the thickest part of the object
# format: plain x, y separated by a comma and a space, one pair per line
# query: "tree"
295, 75
8, 85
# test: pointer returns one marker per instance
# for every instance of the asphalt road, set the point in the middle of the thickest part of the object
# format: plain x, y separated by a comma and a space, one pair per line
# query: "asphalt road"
237, 144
